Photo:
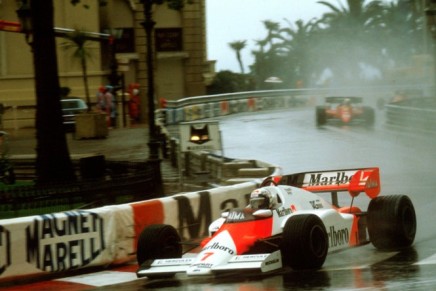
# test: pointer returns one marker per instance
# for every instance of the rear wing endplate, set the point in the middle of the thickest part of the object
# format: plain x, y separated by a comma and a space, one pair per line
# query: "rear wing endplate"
354, 181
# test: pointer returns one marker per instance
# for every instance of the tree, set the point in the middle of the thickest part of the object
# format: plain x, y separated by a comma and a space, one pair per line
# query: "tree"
78, 43
297, 44
348, 37
237, 46
53, 163
229, 82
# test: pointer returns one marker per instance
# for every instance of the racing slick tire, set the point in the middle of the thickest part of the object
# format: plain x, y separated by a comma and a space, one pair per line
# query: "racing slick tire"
369, 116
305, 242
158, 241
321, 117
391, 222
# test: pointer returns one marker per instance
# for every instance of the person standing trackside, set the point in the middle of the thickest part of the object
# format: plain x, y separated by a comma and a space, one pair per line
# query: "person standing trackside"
134, 103
106, 104
111, 106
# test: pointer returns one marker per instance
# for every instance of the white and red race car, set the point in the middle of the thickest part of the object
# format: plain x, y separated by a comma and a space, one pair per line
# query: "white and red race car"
286, 224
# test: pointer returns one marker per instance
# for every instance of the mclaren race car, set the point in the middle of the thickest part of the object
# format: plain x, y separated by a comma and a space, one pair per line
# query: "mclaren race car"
287, 223
344, 110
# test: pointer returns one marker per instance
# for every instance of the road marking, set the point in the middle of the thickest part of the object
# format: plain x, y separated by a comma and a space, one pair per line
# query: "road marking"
101, 279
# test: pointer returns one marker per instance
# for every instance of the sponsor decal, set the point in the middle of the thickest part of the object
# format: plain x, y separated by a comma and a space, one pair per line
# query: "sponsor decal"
217, 246
372, 184
202, 266
5, 249
323, 179
181, 261
283, 211
187, 219
316, 204
233, 215
249, 258
338, 237
64, 241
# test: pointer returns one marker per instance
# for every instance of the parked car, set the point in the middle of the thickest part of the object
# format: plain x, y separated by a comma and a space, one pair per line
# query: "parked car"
72, 106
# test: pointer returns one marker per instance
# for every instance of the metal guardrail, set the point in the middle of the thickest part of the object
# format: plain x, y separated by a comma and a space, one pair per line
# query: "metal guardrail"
417, 115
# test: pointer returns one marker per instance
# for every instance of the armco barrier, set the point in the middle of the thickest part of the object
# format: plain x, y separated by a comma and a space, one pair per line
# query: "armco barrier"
195, 108
417, 114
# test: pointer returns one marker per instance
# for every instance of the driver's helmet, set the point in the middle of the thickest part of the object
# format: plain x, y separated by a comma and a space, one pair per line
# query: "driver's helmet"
262, 199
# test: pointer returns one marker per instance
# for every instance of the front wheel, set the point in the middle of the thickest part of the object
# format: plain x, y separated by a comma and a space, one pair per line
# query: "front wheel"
158, 241
391, 222
305, 242
369, 116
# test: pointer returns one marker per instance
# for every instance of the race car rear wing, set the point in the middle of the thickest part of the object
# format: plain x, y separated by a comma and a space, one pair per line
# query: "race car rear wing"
352, 180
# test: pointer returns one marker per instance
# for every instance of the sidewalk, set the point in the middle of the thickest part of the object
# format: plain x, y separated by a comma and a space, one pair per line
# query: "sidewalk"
126, 144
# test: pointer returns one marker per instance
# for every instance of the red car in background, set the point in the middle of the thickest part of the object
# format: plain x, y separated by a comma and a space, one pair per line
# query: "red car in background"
344, 110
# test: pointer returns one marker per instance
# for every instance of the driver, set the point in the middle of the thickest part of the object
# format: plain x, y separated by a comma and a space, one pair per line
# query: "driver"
346, 102
262, 198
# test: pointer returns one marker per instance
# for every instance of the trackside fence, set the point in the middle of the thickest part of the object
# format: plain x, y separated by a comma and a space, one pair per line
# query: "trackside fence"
110, 183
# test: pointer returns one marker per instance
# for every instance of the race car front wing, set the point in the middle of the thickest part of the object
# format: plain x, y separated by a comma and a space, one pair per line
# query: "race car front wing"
253, 262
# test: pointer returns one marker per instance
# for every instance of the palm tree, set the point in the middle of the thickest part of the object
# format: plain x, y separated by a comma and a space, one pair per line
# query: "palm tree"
78, 43
348, 37
402, 33
237, 46
273, 30
297, 44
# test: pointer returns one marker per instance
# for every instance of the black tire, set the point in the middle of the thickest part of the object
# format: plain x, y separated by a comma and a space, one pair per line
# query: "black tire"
369, 116
321, 118
391, 222
158, 241
305, 242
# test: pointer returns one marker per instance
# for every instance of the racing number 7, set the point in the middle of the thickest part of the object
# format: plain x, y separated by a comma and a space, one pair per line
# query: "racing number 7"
206, 255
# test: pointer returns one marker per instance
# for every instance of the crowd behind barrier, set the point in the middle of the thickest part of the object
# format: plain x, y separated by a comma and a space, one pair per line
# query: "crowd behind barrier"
60, 242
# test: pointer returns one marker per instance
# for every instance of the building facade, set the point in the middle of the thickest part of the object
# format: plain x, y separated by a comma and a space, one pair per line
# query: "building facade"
181, 68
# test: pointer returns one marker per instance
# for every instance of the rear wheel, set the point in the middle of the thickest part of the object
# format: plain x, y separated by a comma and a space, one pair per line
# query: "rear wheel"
391, 222
158, 241
369, 116
305, 242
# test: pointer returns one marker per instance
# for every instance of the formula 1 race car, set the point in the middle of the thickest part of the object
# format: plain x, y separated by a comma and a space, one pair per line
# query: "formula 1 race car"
286, 224
344, 110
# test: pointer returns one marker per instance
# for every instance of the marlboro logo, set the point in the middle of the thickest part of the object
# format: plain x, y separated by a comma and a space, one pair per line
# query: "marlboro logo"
332, 178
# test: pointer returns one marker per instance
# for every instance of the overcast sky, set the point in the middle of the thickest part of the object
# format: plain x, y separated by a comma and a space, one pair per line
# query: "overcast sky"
235, 20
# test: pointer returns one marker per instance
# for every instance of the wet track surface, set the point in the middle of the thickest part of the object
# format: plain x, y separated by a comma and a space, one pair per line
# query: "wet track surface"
291, 140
